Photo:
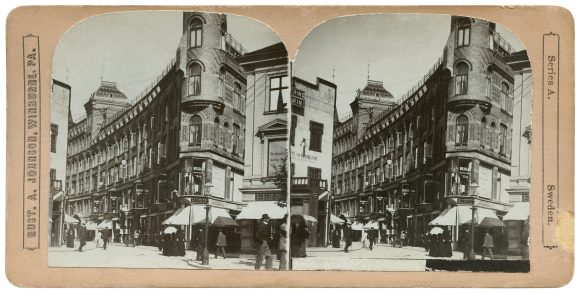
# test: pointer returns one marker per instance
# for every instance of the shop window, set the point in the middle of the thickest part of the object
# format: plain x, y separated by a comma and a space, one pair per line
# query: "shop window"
461, 133
194, 79
195, 33
461, 74
460, 176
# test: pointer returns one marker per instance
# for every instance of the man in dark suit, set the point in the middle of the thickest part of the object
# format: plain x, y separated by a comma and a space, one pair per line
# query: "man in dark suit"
82, 237
105, 236
347, 233
372, 236
263, 237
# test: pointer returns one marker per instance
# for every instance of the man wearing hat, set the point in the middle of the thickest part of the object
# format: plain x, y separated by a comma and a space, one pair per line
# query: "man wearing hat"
347, 233
263, 236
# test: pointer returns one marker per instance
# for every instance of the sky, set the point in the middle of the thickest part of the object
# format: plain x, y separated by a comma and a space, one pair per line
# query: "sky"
132, 49
398, 49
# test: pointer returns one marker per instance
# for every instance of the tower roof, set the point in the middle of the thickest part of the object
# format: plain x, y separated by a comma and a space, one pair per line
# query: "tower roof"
108, 90
375, 89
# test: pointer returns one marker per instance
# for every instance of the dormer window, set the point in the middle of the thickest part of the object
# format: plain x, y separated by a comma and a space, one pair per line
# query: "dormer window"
463, 32
195, 30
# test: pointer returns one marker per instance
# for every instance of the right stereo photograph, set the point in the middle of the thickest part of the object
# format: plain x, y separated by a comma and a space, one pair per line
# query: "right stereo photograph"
410, 142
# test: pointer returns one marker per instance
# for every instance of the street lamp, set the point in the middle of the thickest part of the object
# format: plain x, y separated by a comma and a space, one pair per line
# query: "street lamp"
473, 187
205, 257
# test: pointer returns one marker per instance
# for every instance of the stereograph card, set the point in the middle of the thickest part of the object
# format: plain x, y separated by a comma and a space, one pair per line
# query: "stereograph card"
290, 146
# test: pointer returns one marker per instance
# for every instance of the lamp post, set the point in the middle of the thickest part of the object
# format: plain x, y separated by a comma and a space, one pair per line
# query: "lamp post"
205, 257
473, 187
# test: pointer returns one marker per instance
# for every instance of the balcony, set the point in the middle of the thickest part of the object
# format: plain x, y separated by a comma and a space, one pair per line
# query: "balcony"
309, 184
231, 46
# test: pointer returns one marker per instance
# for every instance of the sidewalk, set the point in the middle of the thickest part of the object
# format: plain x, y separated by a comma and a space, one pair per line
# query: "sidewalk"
118, 255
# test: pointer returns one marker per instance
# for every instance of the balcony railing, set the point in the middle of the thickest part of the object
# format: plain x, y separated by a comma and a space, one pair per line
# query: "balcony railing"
309, 183
232, 46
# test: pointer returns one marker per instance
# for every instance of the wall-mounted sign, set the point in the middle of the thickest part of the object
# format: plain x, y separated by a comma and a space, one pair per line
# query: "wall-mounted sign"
276, 155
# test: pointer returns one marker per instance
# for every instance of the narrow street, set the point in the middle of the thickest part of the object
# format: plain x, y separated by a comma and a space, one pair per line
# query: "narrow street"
117, 255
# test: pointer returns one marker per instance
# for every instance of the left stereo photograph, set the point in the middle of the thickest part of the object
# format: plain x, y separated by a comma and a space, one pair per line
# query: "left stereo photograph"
169, 143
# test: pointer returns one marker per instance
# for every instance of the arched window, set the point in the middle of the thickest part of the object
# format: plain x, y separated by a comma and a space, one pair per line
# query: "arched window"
236, 139
463, 36
502, 139
462, 129
461, 70
195, 131
195, 32
492, 136
194, 79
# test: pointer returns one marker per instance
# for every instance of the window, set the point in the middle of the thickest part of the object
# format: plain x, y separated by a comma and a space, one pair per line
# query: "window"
505, 97
236, 139
463, 36
316, 130
222, 84
195, 30
216, 131
238, 98
461, 132
195, 131
483, 132
461, 78
488, 83
502, 138
278, 93
314, 173
194, 79
53, 136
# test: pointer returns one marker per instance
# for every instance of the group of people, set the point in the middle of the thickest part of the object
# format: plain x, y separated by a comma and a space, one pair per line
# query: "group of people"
438, 245
263, 239
82, 234
172, 244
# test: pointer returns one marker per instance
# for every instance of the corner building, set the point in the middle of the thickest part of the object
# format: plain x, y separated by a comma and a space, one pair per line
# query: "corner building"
441, 150
130, 164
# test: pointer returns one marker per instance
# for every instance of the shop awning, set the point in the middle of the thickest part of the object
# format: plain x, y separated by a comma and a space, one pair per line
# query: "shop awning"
194, 214
105, 224
520, 211
484, 217
448, 217
323, 196
91, 226
357, 226
372, 224
336, 220
70, 220
255, 210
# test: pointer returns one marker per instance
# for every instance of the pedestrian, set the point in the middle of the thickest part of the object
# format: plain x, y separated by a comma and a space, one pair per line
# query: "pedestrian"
347, 233
159, 241
220, 244
282, 246
263, 236
105, 238
180, 243
426, 241
200, 244
467, 244
487, 246
82, 237
447, 250
372, 236
136, 238
70, 237
99, 239
166, 244
173, 250
336, 237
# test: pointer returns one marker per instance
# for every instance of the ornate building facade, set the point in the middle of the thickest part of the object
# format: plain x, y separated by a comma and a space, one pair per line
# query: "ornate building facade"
444, 148
133, 163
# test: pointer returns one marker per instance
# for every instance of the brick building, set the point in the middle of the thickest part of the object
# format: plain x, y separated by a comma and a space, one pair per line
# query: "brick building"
438, 151
130, 165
